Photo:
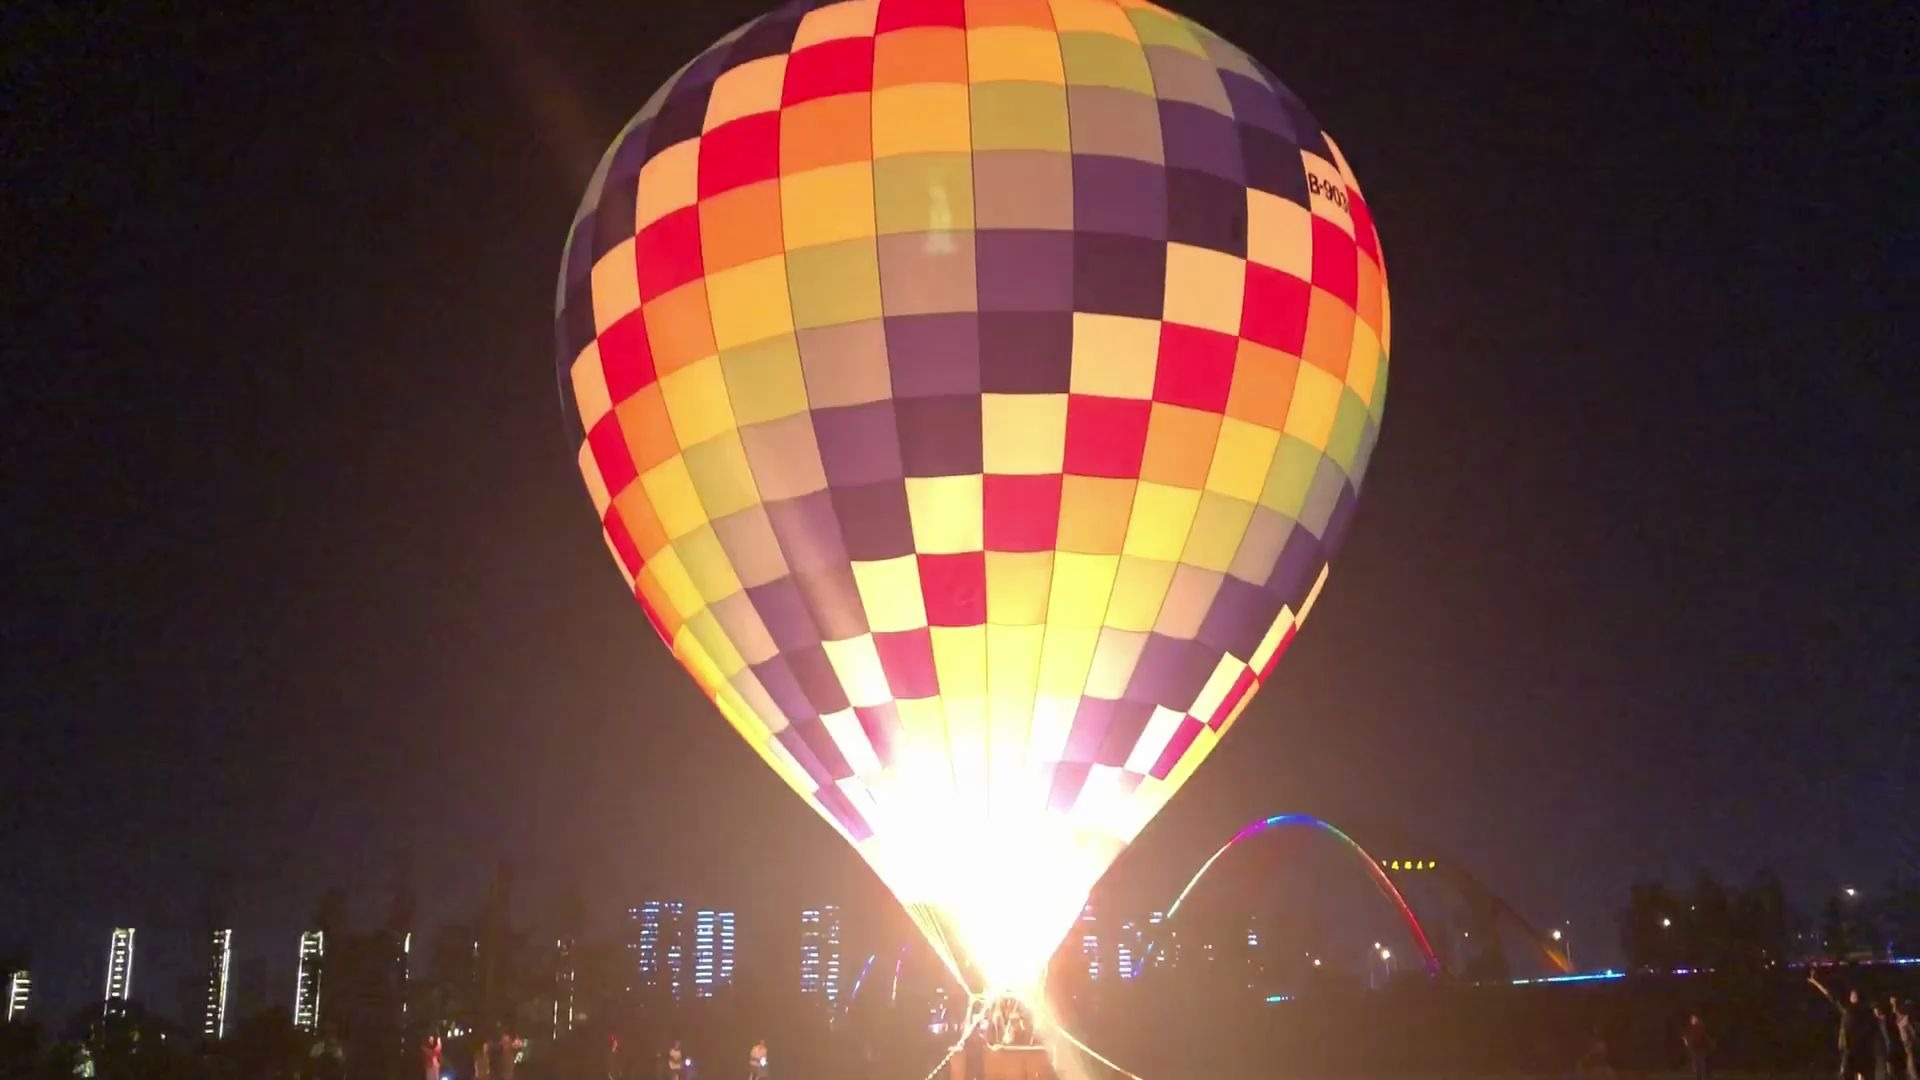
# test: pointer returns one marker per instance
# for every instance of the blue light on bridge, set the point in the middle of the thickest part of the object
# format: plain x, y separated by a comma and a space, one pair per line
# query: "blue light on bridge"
1592, 976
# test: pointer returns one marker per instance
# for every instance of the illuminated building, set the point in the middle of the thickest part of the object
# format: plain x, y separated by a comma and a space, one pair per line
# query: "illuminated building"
213, 1015
1090, 942
1126, 951
1256, 970
19, 995
119, 971
565, 980
306, 990
712, 952
659, 944
1161, 939
820, 952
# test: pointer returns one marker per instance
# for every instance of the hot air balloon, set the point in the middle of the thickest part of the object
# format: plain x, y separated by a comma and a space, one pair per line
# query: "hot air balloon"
972, 394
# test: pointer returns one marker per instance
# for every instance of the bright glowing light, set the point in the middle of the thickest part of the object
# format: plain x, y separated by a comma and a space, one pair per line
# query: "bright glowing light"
1556, 935
1664, 921
995, 914
1852, 892
1386, 954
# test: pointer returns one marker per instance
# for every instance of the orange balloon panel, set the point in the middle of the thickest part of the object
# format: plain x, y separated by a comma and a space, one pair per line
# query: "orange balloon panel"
973, 394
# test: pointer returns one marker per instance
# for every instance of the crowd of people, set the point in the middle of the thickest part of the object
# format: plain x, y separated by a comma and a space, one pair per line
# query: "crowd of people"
492, 1058
677, 1064
1876, 1041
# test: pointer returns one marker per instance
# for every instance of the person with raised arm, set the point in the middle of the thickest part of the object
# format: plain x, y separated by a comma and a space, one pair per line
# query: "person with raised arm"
1856, 1037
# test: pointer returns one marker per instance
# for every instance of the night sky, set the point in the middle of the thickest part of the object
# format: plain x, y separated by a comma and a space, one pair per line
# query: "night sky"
302, 587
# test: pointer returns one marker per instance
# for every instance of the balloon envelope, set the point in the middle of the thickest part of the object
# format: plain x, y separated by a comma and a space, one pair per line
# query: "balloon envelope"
973, 394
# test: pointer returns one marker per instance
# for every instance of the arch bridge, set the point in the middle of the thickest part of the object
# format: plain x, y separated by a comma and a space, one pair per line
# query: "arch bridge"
1388, 838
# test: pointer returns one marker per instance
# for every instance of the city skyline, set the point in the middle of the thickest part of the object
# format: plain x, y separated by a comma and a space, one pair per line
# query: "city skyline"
1110, 944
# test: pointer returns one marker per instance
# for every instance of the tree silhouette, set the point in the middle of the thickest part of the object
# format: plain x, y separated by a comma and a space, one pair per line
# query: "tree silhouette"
1836, 935
1649, 931
1761, 925
1897, 905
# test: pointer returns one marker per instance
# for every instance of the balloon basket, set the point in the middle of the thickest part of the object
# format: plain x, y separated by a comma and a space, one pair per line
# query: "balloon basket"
1007, 1063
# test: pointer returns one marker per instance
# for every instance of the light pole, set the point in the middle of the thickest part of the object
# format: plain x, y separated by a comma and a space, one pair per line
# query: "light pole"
1386, 965
1566, 946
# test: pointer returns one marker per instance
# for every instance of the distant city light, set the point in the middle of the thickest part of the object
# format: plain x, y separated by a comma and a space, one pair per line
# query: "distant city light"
1126, 951
1090, 942
306, 987
1664, 921
1595, 976
213, 1022
820, 952
712, 952
19, 995
660, 944
119, 971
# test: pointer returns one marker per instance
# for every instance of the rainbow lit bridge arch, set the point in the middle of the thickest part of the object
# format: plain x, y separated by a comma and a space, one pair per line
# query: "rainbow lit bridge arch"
1386, 837
1375, 873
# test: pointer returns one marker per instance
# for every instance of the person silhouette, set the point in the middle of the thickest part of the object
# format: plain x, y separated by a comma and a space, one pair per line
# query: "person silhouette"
1698, 1043
1857, 1032
1904, 1034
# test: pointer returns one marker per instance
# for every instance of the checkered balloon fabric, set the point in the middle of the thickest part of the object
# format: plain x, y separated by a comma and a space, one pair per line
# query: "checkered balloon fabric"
973, 393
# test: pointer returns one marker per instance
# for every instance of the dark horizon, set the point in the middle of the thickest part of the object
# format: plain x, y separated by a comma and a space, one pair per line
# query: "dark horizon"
304, 592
